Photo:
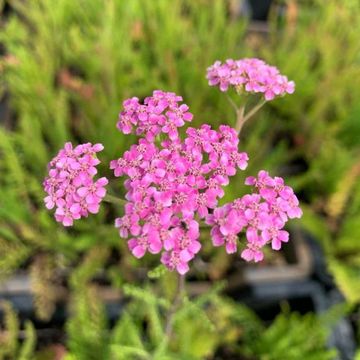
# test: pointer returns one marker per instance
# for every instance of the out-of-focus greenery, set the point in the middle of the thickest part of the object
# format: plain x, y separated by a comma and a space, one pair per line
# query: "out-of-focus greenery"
210, 327
323, 119
69, 65
10, 347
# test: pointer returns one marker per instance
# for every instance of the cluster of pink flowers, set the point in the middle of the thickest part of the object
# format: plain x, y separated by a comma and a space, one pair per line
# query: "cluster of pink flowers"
70, 185
250, 75
172, 185
160, 113
262, 215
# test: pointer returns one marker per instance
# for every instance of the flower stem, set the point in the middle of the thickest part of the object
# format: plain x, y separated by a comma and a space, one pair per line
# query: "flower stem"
114, 200
254, 110
180, 292
242, 118
232, 103
239, 119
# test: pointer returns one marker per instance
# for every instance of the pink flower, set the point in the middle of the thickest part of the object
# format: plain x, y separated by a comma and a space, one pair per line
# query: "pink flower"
173, 262
159, 113
262, 215
250, 75
70, 184
138, 246
171, 184
93, 192
252, 254
128, 224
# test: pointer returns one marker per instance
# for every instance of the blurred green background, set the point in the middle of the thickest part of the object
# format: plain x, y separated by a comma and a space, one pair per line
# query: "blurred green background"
66, 66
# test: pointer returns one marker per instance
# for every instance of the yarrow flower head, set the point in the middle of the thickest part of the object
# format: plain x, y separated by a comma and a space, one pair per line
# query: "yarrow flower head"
174, 182
172, 185
70, 185
160, 113
250, 75
261, 215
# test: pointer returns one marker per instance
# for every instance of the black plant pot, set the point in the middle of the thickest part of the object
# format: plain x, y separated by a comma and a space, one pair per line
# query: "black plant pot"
259, 9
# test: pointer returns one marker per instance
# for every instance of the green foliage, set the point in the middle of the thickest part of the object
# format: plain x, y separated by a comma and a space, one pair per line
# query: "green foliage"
87, 328
44, 287
202, 327
10, 346
339, 231
145, 295
90, 266
126, 332
291, 337
90, 57
320, 118
157, 272
208, 324
322, 122
68, 66
140, 331
27, 348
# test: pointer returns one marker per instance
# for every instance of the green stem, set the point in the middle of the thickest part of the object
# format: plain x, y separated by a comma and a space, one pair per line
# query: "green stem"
254, 110
232, 103
241, 120
114, 200
180, 292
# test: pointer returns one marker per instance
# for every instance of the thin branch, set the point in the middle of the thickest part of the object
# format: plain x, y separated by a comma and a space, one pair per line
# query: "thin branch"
232, 103
114, 200
254, 110
240, 119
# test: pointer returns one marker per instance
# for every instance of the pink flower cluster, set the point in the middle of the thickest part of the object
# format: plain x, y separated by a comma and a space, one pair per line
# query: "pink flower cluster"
262, 215
70, 185
160, 113
252, 75
174, 183
170, 186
